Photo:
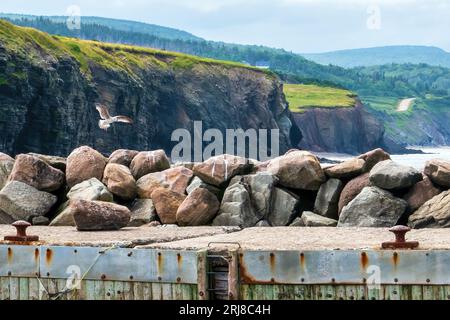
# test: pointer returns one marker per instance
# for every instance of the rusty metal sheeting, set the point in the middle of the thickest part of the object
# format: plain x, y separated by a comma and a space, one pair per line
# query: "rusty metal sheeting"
346, 267
19, 261
90, 263
165, 266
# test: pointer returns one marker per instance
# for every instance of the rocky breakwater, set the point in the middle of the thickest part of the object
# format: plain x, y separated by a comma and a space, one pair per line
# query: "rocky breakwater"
92, 192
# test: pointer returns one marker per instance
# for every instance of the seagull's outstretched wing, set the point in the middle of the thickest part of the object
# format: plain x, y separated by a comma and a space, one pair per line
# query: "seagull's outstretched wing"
123, 119
103, 111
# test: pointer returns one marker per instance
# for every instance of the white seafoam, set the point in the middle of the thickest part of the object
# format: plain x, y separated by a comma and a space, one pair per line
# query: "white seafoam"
414, 160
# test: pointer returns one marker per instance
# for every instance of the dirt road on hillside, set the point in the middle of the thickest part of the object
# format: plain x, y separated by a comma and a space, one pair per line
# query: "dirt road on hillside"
404, 105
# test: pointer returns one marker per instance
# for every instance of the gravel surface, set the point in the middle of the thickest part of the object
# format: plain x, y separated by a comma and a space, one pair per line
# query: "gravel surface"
282, 238
127, 237
301, 238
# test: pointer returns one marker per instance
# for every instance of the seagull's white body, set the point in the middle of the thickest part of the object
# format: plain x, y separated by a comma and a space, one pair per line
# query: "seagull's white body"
107, 120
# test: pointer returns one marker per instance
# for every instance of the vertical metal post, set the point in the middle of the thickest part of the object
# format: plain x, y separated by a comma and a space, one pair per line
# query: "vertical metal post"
233, 275
202, 275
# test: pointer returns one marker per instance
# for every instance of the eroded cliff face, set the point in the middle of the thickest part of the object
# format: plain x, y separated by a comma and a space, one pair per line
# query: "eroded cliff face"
342, 130
47, 99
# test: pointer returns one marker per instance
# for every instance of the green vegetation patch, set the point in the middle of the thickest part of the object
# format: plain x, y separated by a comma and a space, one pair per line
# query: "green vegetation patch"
3, 81
305, 96
33, 43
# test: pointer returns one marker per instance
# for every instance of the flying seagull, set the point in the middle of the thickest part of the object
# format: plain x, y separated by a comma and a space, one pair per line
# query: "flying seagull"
107, 120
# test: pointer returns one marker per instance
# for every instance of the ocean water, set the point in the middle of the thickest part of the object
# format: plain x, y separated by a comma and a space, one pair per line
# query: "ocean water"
414, 160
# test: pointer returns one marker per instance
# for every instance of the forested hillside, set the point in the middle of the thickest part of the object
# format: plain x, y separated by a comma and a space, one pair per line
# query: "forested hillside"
383, 55
394, 79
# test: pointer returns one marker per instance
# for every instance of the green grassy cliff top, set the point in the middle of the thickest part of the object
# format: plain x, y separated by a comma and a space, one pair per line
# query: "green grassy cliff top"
34, 44
302, 97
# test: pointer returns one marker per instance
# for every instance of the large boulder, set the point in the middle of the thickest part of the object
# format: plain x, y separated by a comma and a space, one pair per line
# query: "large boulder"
373, 207
64, 216
198, 183
260, 187
420, 193
19, 201
439, 172
220, 169
167, 203
198, 209
54, 161
371, 158
298, 222
83, 164
148, 162
352, 189
435, 213
236, 208
327, 199
298, 170
98, 215
91, 189
123, 157
4, 156
120, 181
390, 175
311, 219
6, 166
176, 179
285, 208
142, 212
36, 173
346, 170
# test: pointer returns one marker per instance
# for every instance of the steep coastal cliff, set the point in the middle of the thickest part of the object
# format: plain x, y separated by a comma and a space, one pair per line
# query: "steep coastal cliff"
49, 87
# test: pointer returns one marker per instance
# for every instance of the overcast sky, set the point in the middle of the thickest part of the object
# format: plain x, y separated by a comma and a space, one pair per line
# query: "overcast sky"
296, 25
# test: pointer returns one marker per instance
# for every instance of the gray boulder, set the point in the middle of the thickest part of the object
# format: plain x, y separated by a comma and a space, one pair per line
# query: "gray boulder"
236, 208
263, 224
40, 221
352, 189
64, 216
373, 207
390, 175
310, 219
91, 189
298, 222
142, 212
6, 166
260, 186
434, 213
327, 199
285, 207
19, 201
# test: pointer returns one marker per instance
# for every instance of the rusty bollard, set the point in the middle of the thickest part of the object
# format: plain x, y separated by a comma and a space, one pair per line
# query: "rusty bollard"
400, 240
21, 235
